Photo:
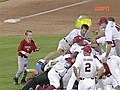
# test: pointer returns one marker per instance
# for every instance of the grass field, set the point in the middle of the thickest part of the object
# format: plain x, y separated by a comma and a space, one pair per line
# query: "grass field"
8, 56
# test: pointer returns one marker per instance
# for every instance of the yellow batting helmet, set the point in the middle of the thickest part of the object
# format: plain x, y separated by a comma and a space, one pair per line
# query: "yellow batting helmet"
83, 20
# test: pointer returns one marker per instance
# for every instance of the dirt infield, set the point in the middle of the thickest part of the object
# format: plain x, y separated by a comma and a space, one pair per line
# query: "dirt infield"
58, 22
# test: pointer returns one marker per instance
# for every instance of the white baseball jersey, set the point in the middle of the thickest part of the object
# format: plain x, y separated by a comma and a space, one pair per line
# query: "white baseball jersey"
76, 48
62, 65
72, 34
102, 41
111, 32
58, 71
87, 66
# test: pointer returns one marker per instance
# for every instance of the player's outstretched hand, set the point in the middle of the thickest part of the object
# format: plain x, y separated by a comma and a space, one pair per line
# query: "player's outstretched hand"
38, 49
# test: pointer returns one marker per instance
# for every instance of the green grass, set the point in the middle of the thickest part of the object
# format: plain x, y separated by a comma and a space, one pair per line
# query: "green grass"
3, 0
8, 56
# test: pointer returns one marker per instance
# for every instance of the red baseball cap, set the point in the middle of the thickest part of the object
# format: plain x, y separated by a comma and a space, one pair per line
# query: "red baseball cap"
102, 20
87, 49
78, 39
69, 59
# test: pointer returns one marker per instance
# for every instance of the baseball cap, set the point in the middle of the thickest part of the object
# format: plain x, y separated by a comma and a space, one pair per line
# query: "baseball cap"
79, 39
87, 49
69, 59
102, 20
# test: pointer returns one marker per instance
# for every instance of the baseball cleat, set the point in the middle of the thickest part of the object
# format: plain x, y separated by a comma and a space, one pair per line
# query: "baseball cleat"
15, 81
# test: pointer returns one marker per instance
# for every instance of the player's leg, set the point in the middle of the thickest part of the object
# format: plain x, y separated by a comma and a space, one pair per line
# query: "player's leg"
54, 78
67, 77
117, 43
71, 82
26, 65
33, 71
41, 79
62, 47
114, 65
20, 69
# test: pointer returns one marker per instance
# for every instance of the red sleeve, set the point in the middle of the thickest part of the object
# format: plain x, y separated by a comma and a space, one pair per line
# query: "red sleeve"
20, 48
34, 47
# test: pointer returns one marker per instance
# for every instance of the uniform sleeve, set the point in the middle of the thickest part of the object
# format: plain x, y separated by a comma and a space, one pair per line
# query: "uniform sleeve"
98, 64
101, 41
108, 34
78, 61
20, 48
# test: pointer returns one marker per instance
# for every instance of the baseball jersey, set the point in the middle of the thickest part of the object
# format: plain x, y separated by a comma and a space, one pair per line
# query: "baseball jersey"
72, 34
76, 48
27, 47
62, 65
87, 66
102, 41
112, 31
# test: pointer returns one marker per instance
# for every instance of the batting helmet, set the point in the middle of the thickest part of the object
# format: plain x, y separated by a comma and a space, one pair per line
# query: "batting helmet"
83, 20
102, 20
78, 39
87, 49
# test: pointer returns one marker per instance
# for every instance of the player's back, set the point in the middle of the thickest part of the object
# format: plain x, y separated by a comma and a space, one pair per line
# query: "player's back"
72, 34
88, 67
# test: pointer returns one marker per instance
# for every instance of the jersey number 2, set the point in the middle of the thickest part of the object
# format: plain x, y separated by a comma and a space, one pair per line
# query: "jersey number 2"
87, 68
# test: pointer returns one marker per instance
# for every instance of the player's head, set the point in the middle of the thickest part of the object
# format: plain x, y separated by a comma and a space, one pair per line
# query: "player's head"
103, 22
28, 34
79, 40
40, 65
87, 50
84, 29
111, 19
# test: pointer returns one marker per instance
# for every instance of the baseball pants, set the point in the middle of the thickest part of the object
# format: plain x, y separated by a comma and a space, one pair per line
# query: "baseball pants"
114, 65
117, 47
87, 84
22, 63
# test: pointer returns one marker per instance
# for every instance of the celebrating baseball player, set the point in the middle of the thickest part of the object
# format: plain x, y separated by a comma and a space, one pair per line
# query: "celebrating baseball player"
112, 36
87, 66
68, 41
24, 50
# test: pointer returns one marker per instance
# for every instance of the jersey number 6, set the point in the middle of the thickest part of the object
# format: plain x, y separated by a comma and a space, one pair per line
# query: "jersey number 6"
87, 68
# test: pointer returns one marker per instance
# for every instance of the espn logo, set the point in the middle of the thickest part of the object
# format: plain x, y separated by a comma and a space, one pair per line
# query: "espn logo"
102, 8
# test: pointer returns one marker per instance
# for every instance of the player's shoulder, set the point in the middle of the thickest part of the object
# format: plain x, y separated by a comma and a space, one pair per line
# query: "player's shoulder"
76, 30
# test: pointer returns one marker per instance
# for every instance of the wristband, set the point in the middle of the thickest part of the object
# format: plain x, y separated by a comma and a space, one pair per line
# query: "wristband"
23, 52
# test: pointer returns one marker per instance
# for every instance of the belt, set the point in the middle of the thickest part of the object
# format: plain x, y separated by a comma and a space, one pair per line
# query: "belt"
23, 57
67, 41
109, 75
85, 78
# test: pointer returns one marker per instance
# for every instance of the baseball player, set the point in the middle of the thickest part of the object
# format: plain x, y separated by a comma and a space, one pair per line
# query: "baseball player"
58, 71
107, 81
112, 34
68, 41
24, 50
87, 66
41, 78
